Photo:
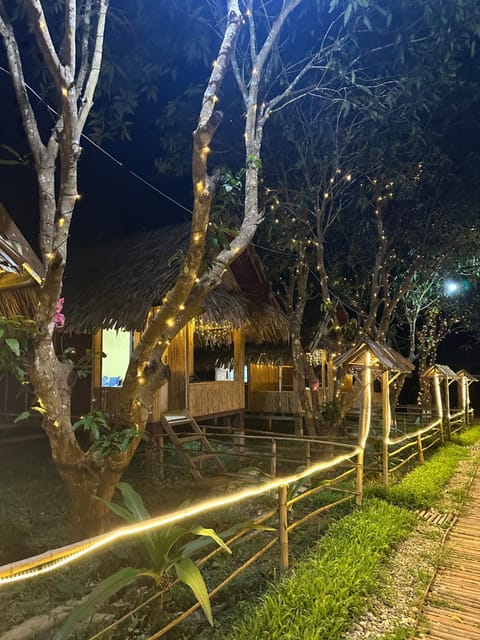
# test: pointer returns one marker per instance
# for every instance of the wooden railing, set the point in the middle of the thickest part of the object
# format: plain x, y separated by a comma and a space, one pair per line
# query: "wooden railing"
106, 399
270, 529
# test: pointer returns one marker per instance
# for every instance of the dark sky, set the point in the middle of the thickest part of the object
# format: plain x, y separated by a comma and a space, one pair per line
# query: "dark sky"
113, 201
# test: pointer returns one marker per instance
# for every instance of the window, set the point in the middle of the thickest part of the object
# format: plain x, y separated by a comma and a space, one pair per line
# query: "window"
117, 346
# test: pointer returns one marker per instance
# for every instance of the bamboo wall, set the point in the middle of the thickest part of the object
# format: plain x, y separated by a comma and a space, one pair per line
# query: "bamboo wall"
273, 402
207, 398
263, 377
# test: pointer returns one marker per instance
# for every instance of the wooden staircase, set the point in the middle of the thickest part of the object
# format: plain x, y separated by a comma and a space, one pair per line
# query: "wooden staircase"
192, 459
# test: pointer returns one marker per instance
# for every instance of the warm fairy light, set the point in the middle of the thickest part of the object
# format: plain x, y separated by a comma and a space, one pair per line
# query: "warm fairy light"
50, 255
197, 236
49, 561
197, 280
325, 195
61, 221
41, 24
64, 91
215, 99
57, 423
170, 322
254, 71
78, 196
348, 177
182, 307
214, 63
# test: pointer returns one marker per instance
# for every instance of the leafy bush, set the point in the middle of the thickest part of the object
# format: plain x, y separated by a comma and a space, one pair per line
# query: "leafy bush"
16, 335
320, 597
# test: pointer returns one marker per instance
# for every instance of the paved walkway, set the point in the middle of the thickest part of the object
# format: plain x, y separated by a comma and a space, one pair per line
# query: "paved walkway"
452, 609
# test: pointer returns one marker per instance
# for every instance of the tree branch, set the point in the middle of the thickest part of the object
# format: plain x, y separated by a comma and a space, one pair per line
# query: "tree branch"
87, 98
29, 120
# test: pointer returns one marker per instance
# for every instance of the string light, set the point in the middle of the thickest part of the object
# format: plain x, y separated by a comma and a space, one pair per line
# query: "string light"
66, 555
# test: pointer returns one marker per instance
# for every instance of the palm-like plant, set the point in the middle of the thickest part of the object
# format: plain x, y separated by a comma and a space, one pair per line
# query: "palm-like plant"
169, 548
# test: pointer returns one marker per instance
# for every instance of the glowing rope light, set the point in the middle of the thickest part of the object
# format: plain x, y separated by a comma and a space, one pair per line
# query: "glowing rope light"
51, 560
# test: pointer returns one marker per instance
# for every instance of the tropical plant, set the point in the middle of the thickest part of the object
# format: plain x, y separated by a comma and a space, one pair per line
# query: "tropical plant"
170, 548
105, 439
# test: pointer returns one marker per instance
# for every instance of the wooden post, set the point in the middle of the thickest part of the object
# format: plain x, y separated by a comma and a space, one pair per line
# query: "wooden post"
447, 407
387, 419
273, 459
438, 402
283, 527
364, 426
421, 458
467, 401
330, 378
308, 454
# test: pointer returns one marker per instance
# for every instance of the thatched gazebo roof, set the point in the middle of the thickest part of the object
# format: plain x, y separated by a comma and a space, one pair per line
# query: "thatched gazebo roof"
443, 371
467, 376
20, 270
384, 358
114, 286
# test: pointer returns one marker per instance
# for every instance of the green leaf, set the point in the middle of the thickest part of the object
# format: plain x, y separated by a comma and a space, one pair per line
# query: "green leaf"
100, 594
133, 501
23, 416
13, 345
190, 575
210, 533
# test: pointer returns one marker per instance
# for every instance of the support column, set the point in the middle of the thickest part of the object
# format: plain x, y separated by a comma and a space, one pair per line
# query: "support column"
365, 418
387, 421
438, 403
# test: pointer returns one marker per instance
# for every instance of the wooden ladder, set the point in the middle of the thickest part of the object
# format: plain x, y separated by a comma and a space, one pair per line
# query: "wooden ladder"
190, 458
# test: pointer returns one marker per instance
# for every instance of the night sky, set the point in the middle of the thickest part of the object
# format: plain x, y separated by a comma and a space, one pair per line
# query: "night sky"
114, 203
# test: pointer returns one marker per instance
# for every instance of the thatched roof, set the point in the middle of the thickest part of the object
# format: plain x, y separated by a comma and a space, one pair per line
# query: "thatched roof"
384, 358
467, 376
114, 285
20, 270
443, 371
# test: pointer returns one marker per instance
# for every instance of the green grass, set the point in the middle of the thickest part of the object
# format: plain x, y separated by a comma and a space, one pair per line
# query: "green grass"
422, 487
468, 437
325, 592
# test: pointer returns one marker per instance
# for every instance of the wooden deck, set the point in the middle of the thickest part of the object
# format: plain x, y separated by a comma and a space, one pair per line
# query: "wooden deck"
452, 610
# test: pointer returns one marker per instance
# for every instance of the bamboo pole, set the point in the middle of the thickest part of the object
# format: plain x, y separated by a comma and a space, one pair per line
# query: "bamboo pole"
421, 458
364, 426
308, 454
283, 527
438, 402
273, 459
387, 419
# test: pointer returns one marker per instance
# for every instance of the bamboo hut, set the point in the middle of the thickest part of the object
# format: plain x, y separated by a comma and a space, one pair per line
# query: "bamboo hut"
20, 270
111, 292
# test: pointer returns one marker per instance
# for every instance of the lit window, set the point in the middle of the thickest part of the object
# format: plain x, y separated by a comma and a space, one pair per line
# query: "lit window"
117, 346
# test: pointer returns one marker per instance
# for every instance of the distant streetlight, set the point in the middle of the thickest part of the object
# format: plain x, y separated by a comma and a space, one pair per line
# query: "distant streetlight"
451, 288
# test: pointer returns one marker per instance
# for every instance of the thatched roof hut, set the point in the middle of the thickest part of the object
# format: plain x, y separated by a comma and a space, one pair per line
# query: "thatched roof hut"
384, 358
20, 270
114, 285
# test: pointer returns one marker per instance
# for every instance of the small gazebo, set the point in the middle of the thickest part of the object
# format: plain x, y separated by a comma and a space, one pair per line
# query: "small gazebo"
367, 362
464, 380
438, 374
